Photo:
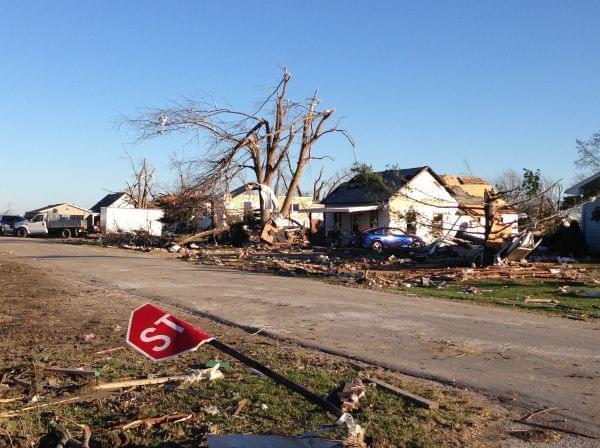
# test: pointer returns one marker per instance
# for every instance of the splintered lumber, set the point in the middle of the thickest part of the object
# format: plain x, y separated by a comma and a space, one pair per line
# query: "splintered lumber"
416, 399
200, 235
11, 414
70, 372
206, 374
149, 422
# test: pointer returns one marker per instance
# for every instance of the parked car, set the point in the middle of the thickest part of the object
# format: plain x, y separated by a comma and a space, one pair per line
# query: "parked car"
7, 222
387, 238
65, 227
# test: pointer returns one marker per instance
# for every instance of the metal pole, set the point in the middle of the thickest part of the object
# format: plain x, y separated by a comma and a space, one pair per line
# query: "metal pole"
310, 396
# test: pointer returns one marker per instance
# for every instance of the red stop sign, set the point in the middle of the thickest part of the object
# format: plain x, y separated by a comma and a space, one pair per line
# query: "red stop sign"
159, 335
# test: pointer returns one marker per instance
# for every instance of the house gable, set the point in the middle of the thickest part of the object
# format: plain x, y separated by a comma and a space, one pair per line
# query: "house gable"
586, 187
119, 200
59, 209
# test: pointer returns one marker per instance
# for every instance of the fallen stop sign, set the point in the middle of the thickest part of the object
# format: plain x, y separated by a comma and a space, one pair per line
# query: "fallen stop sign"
159, 335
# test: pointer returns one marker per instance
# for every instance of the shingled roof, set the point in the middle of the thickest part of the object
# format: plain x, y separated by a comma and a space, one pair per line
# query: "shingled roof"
353, 192
107, 201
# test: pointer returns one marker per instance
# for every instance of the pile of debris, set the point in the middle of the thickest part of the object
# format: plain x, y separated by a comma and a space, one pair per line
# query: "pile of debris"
379, 272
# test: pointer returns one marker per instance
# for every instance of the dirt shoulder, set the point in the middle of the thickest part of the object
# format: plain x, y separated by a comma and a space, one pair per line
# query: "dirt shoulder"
55, 321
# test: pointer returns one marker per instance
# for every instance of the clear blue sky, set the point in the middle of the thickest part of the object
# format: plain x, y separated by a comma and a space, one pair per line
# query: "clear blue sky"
500, 84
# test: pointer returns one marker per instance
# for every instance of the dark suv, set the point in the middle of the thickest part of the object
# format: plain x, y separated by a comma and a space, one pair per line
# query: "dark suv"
7, 222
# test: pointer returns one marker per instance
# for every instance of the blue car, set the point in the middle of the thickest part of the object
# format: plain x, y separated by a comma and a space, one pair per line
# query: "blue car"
387, 238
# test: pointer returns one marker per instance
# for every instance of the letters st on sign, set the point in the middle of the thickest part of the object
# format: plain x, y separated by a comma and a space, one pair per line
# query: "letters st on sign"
160, 336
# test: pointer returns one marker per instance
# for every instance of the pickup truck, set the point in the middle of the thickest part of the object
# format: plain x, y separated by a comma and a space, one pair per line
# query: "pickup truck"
64, 227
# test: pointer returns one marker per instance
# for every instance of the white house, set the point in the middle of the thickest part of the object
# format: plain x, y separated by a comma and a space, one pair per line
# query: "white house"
590, 224
417, 201
588, 192
116, 213
414, 200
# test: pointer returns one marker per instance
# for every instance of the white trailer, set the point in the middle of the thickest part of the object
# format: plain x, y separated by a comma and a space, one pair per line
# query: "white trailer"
128, 220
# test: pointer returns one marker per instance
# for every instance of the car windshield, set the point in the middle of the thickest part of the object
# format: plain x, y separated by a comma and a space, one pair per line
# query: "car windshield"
10, 219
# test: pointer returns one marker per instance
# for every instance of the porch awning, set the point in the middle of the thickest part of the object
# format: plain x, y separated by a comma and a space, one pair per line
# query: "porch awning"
345, 208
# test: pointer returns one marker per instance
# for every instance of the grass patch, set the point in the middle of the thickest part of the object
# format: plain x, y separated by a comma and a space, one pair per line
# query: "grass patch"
522, 294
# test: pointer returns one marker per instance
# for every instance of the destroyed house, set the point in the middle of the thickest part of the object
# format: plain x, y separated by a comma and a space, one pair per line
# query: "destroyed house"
469, 192
414, 200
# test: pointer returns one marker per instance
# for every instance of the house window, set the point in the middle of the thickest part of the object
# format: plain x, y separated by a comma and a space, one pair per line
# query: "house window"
296, 208
411, 222
438, 221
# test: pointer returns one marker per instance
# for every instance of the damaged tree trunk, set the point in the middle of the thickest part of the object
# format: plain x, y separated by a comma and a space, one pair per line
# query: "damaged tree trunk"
490, 247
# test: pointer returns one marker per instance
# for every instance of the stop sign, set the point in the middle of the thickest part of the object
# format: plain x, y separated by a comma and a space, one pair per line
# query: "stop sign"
159, 335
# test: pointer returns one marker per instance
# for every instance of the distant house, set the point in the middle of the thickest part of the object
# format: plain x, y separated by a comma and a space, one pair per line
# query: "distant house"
62, 209
416, 200
120, 200
470, 192
115, 213
586, 188
587, 194
240, 204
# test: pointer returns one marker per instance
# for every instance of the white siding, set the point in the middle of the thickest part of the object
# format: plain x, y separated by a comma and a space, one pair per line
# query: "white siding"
428, 198
116, 219
591, 228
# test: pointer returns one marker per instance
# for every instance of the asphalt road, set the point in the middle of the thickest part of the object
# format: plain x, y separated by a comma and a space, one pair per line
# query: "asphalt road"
522, 358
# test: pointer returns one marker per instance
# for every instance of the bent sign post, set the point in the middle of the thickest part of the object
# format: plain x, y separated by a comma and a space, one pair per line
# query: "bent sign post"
160, 336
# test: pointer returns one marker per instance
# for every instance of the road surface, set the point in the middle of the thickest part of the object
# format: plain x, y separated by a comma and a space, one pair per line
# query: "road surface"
521, 358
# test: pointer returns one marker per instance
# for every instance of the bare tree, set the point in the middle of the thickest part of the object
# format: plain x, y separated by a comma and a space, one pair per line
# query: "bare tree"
589, 154
530, 192
323, 185
141, 189
239, 142
509, 182
8, 209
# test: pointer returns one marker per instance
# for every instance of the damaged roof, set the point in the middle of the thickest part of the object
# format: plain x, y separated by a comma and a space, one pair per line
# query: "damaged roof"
352, 192
470, 191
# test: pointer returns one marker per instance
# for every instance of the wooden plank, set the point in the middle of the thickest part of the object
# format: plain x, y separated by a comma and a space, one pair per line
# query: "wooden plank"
70, 372
416, 399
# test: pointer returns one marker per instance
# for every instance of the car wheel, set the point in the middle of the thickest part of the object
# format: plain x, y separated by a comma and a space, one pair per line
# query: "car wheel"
21, 233
377, 246
416, 244
65, 233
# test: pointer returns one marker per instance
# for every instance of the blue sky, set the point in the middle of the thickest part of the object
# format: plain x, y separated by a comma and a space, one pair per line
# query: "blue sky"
499, 84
